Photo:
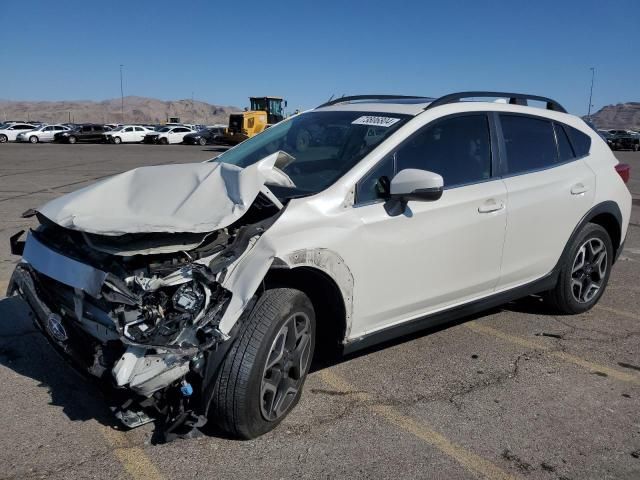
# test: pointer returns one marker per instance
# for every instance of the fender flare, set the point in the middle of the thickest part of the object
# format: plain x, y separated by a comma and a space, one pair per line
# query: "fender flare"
607, 206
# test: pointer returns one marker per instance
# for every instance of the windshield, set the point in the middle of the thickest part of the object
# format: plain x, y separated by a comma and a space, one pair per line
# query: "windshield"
165, 129
117, 129
324, 146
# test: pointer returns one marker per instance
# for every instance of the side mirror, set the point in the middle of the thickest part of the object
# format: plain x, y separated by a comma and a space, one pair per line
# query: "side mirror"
412, 184
415, 184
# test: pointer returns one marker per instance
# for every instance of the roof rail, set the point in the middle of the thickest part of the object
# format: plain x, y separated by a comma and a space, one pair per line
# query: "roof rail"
353, 98
514, 99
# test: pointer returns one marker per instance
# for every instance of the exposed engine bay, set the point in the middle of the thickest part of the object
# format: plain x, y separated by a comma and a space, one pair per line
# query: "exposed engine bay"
141, 311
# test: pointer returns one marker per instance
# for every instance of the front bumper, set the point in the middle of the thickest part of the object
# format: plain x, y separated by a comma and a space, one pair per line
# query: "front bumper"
142, 371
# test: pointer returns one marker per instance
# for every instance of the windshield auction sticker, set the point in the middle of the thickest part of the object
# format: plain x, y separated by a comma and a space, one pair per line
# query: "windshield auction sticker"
375, 121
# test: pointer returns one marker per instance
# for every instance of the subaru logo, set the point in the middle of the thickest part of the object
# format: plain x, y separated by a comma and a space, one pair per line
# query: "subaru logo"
55, 327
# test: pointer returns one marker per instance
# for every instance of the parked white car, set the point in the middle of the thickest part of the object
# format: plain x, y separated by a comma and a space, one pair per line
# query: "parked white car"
205, 288
127, 134
167, 135
9, 132
43, 133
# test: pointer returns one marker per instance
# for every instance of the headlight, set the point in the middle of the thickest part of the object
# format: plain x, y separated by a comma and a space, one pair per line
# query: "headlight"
189, 298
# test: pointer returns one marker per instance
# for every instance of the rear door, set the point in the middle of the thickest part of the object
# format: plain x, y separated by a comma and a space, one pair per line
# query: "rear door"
549, 188
138, 134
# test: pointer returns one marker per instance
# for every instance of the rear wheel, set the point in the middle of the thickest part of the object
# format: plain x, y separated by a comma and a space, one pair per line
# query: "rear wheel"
585, 271
117, 140
33, 139
261, 379
3, 139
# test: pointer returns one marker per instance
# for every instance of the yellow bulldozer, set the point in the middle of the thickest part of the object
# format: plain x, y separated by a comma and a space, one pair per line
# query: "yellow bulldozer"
264, 112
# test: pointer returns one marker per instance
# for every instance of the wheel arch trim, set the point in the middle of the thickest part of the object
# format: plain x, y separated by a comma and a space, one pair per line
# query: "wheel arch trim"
603, 209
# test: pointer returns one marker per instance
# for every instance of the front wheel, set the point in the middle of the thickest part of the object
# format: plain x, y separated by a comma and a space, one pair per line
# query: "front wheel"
3, 139
261, 379
202, 141
584, 272
117, 140
72, 139
33, 139
164, 141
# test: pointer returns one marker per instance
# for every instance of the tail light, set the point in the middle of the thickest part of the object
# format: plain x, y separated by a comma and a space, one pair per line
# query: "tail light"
624, 170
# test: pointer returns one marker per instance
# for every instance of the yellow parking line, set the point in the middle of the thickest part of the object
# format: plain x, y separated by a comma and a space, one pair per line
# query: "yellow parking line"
469, 460
567, 357
133, 459
622, 313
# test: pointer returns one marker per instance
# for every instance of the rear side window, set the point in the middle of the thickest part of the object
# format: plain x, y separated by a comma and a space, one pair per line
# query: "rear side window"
530, 143
458, 148
581, 142
565, 151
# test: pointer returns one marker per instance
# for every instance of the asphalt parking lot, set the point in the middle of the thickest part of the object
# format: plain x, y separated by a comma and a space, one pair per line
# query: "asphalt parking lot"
515, 392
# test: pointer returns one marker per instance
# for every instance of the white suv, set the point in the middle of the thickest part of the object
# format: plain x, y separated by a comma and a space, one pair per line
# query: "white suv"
204, 289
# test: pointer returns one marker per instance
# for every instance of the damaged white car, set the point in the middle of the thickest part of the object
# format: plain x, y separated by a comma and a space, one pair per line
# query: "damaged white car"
202, 290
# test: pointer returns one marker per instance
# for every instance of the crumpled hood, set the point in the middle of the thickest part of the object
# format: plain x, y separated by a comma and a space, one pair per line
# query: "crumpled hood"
195, 197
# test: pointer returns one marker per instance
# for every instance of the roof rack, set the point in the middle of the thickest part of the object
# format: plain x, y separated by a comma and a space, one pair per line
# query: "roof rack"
354, 98
514, 99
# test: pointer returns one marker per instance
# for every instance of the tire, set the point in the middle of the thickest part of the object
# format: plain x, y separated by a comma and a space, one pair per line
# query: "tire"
576, 282
163, 141
202, 141
117, 140
33, 139
72, 139
3, 139
242, 402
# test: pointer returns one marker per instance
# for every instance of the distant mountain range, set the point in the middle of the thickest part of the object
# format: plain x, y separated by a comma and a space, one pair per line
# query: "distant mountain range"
152, 110
625, 116
136, 110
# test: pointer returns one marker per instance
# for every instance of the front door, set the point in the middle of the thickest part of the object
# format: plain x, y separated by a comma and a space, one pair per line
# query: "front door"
435, 254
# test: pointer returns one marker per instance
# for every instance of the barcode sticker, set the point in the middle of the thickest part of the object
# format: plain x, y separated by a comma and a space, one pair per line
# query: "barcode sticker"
375, 121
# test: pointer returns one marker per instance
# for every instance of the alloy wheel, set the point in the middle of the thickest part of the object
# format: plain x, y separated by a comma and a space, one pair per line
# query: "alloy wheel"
286, 366
589, 270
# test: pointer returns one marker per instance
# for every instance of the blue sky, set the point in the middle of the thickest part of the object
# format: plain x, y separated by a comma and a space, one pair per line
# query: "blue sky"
224, 51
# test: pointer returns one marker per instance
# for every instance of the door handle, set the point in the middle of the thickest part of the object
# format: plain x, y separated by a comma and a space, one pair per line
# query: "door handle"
491, 205
578, 188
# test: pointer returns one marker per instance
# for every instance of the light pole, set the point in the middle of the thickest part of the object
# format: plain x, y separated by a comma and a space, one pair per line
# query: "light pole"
593, 74
121, 95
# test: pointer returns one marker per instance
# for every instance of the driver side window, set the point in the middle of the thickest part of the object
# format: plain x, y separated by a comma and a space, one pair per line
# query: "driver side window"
458, 148
375, 184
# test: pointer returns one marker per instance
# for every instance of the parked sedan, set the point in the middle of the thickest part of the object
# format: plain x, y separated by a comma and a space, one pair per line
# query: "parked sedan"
9, 132
81, 133
43, 133
167, 135
204, 136
127, 134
